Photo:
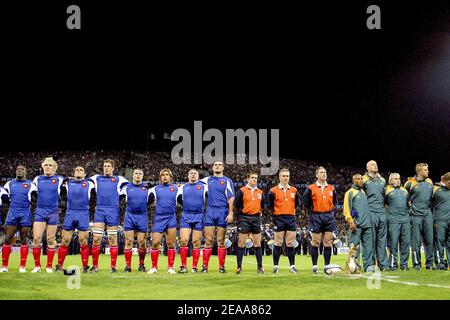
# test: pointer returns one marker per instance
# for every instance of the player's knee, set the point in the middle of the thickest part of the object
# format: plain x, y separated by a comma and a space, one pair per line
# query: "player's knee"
129, 243
83, 242
183, 243
196, 244
51, 240
66, 241
328, 244
315, 243
142, 244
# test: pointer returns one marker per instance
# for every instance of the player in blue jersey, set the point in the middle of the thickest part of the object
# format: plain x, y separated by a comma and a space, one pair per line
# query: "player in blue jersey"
78, 192
136, 218
107, 212
218, 213
192, 197
47, 213
164, 219
20, 192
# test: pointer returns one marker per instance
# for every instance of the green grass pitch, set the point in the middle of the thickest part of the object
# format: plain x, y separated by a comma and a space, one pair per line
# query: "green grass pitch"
246, 286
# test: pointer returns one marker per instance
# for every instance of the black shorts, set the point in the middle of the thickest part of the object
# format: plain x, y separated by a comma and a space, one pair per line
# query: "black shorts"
322, 222
249, 223
284, 222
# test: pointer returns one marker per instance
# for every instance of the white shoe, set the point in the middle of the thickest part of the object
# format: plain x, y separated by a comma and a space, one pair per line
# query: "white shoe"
315, 269
49, 270
22, 270
4, 269
153, 270
36, 269
171, 271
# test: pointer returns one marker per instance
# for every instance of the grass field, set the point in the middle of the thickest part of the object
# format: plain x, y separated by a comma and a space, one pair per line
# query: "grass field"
248, 285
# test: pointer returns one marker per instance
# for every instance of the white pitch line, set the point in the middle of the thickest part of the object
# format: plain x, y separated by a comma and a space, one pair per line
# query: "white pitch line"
383, 277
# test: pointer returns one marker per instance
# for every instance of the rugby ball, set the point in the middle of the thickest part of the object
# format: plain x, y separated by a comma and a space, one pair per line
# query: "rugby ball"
332, 269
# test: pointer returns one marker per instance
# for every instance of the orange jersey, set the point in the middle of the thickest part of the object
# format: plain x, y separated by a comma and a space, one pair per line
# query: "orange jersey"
249, 201
318, 199
283, 201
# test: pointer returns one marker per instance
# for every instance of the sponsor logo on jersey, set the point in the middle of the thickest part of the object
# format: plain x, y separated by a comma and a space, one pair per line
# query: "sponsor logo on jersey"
143, 188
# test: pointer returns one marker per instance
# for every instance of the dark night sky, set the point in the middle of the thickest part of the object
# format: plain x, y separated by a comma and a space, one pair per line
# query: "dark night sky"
338, 91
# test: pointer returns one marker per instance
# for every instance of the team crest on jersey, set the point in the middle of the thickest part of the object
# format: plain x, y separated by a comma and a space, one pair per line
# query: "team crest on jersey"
83, 185
198, 187
25, 185
292, 195
113, 179
172, 189
259, 196
222, 182
53, 181
143, 188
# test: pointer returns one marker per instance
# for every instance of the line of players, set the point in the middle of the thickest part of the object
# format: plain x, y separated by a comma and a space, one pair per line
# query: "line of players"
362, 210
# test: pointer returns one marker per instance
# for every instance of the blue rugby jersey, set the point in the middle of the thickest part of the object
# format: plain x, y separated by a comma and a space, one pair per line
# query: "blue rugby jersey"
20, 193
137, 196
192, 196
108, 189
48, 189
165, 196
220, 190
78, 194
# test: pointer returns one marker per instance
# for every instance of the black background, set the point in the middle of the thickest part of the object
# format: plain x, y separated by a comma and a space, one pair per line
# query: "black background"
338, 92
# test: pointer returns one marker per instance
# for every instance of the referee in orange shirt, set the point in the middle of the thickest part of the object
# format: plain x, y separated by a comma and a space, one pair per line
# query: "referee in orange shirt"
319, 200
249, 202
283, 202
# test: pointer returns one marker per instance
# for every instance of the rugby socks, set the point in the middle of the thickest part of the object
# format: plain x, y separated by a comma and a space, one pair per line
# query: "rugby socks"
142, 253
23, 255
6, 251
327, 254
128, 253
37, 256
240, 256
276, 255
95, 254
183, 255
155, 255
50, 256
170, 258
290, 251
195, 257
206, 255
222, 253
114, 252
314, 255
84, 250
62, 252
258, 254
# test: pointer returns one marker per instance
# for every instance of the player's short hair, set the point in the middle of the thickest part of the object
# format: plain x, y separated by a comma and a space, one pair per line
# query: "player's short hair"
111, 161
51, 161
166, 170
355, 174
318, 168
138, 169
392, 176
419, 166
218, 161
283, 170
251, 173
193, 169
74, 168
446, 177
